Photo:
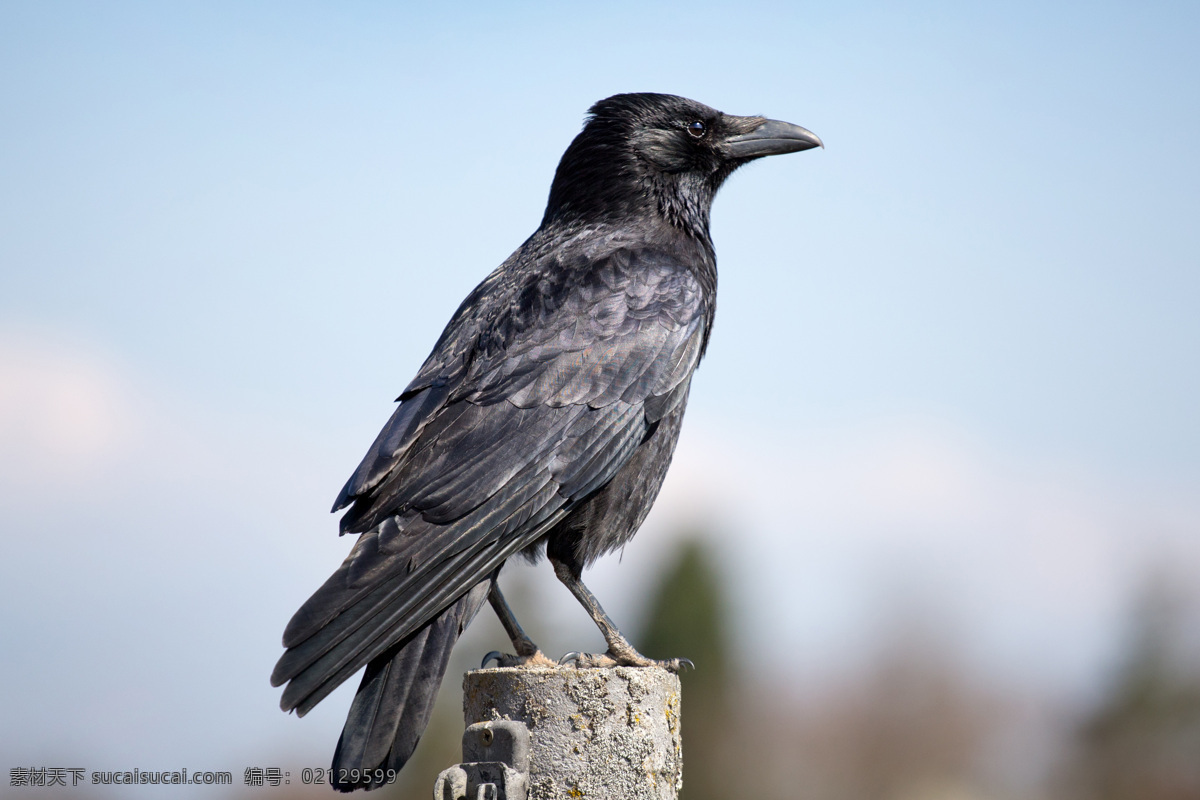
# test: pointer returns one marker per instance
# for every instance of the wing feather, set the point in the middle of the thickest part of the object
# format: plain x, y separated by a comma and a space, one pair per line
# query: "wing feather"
536, 395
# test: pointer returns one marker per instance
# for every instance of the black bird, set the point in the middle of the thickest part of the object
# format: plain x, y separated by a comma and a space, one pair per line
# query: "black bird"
545, 417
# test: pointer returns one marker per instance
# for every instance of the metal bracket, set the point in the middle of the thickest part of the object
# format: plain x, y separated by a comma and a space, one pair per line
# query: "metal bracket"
495, 764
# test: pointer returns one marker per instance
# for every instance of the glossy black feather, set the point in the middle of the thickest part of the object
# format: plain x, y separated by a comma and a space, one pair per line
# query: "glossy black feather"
395, 699
488, 482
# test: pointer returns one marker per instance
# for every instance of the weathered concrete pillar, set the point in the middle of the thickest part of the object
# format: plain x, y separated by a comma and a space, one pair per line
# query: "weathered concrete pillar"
600, 734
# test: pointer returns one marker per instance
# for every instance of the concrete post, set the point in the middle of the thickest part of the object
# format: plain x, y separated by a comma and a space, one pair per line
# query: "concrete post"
600, 734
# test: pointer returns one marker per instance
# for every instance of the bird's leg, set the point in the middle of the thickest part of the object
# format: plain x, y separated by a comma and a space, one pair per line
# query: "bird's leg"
528, 654
620, 651
521, 641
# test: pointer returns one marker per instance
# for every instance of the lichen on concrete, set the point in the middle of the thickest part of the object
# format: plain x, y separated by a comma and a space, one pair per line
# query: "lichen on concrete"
596, 733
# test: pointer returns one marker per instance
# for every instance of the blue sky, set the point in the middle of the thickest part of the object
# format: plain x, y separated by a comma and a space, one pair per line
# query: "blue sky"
955, 353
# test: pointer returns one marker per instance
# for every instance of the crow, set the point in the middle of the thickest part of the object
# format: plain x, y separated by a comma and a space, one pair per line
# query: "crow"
544, 420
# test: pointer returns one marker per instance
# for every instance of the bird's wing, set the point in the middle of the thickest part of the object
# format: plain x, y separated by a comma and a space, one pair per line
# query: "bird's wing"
538, 392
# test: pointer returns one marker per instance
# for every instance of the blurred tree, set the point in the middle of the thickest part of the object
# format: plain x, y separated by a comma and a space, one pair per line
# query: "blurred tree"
1143, 740
687, 619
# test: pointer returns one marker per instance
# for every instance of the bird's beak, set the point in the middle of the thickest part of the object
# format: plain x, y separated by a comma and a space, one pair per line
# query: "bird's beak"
771, 138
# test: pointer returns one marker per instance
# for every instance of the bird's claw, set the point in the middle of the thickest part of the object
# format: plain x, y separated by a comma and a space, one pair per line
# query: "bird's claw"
587, 660
534, 659
604, 660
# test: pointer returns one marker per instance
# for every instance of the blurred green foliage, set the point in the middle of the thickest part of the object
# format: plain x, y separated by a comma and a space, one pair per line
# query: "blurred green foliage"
1142, 742
687, 619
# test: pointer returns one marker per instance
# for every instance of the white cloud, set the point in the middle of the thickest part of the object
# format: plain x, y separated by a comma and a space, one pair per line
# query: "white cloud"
152, 553
62, 409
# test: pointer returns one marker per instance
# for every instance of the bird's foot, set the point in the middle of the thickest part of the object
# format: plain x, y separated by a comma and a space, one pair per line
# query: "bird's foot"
534, 659
630, 658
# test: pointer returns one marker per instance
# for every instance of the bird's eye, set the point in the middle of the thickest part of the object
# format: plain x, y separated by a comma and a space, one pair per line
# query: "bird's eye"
696, 129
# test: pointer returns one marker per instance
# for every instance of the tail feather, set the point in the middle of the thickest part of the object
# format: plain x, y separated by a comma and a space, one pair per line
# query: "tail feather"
395, 700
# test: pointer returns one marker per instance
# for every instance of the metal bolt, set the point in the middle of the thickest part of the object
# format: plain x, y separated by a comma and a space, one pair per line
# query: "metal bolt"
487, 737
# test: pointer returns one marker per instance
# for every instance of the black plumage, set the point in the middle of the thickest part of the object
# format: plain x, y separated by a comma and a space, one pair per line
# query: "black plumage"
546, 414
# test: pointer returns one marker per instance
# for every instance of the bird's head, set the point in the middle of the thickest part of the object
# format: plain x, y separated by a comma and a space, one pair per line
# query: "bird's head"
662, 155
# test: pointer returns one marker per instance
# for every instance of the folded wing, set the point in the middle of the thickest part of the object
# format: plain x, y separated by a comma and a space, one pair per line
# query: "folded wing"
535, 396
